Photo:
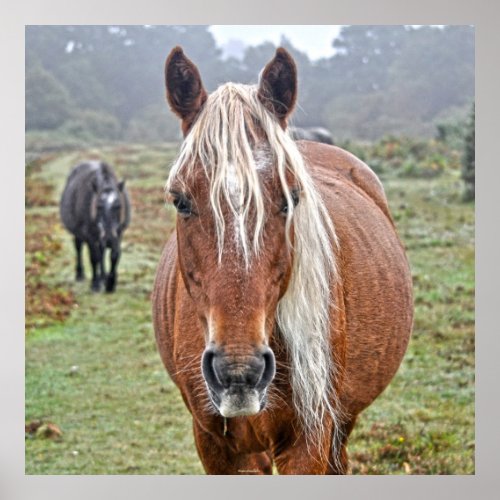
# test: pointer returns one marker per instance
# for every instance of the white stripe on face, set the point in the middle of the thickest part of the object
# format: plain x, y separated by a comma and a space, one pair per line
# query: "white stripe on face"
262, 158
263, 161
234, 188
233, 184
111, 198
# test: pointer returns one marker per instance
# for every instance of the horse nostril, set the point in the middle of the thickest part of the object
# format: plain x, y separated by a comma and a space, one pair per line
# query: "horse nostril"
269, 369
208, 369
251, 374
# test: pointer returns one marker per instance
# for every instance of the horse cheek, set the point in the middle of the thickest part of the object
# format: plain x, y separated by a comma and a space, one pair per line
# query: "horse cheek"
191, 265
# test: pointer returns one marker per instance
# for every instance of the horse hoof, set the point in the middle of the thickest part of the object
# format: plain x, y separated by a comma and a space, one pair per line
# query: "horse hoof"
80, 277
110, 284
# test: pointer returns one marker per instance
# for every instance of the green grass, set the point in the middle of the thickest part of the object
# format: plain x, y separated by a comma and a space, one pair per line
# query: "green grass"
92, 368
118, 411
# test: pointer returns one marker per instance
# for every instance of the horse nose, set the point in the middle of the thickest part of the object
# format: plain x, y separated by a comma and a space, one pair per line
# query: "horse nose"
223, 371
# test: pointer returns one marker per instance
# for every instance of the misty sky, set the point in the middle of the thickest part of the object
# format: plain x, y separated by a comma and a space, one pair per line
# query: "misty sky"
316, 41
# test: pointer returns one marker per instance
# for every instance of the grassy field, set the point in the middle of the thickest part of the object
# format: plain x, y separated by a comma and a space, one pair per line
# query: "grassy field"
98, 400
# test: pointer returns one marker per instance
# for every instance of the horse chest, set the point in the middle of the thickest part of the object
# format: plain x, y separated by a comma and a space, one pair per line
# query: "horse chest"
243, 436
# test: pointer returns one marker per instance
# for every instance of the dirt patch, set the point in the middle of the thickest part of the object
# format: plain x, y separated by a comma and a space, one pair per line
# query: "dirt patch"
44, 303
34, 162
41, 429
38, 194
41, 236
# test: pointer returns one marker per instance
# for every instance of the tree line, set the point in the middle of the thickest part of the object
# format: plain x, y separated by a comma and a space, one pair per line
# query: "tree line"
107, 82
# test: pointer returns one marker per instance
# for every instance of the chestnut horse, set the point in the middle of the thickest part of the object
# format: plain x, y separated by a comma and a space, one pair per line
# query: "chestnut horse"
283, 302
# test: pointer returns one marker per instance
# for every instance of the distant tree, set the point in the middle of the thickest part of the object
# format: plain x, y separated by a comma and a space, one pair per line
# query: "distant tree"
452, 129
255, 59
154, 124
435, 71
90, 124
396, 79
382, 79
119, 69
469, 158
48, 104
365, 53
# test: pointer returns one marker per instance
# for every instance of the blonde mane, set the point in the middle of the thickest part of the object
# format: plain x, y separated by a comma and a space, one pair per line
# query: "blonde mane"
224, 141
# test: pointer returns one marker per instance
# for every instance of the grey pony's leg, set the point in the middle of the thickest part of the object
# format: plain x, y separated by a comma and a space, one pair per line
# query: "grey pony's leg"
111, 278
96, 261
102, 266
80, 275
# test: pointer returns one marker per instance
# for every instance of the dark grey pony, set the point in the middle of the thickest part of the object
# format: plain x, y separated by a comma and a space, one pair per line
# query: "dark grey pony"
95, 208
318, 134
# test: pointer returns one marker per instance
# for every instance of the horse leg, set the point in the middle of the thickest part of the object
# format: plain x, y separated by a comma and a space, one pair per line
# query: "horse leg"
340, 464
80, 275
111, 279
219, 458
101, 265
301, 457
96, 261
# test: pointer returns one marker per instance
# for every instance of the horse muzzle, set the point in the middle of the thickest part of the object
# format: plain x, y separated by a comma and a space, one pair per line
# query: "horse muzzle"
237, 385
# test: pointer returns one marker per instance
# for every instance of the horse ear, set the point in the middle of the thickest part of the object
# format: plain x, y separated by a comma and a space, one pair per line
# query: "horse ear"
185, 92
121, 185
124, 207
278, 85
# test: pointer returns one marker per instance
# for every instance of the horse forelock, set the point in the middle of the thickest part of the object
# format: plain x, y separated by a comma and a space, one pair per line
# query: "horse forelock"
235, 141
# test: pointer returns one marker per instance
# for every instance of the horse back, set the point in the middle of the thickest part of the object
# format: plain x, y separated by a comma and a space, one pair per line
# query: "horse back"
330, 162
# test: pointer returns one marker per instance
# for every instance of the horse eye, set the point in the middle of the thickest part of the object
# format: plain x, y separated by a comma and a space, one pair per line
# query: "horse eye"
295, 199
183, 205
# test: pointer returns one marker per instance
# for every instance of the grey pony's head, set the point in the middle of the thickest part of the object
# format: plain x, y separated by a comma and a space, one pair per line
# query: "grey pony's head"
110, 211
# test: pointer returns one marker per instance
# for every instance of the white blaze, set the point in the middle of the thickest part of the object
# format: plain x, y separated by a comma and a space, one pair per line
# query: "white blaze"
111, 198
